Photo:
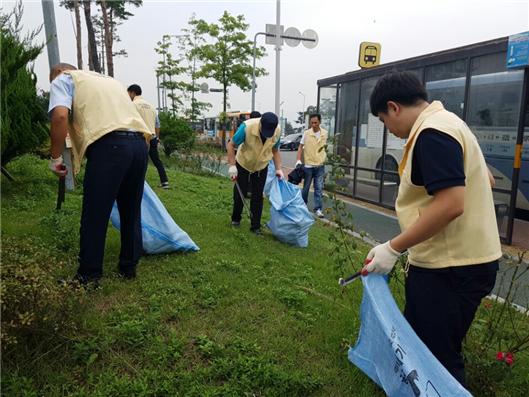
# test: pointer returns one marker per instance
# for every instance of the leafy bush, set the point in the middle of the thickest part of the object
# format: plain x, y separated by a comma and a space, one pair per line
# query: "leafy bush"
176, 133
24, 120
33, 303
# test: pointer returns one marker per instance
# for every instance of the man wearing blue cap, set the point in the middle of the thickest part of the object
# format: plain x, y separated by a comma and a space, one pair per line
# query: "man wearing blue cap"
258, 142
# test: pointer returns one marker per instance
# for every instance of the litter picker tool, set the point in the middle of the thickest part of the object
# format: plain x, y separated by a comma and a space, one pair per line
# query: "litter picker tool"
345, 281
244, 203
62, 189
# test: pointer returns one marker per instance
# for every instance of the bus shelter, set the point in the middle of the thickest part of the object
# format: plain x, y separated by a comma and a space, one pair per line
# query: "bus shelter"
471, 81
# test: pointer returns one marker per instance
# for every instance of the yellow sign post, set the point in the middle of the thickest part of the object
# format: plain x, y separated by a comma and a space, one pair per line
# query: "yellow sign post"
369, 54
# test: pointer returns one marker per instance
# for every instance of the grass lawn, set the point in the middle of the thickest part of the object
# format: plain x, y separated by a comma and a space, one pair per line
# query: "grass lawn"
244, 316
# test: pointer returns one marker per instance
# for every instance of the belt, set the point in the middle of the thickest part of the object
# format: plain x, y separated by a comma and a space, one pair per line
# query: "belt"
127, 133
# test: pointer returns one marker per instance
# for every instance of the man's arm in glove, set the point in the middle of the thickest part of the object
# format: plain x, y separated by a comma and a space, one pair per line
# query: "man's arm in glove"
58, 133
446, 206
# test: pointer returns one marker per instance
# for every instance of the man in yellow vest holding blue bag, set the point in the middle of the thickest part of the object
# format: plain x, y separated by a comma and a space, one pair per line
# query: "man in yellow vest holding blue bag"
446, 214
104, 125
258, 142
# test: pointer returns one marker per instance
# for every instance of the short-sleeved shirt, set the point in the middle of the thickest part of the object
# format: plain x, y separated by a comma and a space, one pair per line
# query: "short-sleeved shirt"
437, 161
240, 136
61, 92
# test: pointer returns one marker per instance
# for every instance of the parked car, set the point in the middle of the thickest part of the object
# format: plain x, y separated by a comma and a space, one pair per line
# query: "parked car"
290, 142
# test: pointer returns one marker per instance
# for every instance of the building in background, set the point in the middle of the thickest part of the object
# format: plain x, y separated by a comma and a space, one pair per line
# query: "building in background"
471, 81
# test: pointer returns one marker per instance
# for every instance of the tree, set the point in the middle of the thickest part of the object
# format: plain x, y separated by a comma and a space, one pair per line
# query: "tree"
73, 5
101, 30
288, 128
176, 132
107, 38
93, 59
24, 121
169, 68
228, 58
188, 43
114, 12
78, 40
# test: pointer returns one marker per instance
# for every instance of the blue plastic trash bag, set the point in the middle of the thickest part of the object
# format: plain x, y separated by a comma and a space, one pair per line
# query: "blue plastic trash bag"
270, 176
290, 220
159, 231
391, 354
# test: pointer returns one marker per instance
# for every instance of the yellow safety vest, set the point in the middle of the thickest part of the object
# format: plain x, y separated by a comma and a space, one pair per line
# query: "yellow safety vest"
146, 111
314, 148
252, 154
100, 105
471, 238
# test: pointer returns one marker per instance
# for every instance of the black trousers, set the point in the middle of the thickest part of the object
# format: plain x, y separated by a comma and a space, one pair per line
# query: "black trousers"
255, 181
155, 157
440, 307
115, 171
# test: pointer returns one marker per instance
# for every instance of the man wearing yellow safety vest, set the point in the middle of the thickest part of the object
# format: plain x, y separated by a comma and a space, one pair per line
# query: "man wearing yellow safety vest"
103, 124
312, 147
446, 214
258, 142
148, 114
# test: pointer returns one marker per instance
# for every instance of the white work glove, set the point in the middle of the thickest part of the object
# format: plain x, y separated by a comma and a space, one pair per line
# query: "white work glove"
232, 172
279, 174
298, 163
381, 259
57, 167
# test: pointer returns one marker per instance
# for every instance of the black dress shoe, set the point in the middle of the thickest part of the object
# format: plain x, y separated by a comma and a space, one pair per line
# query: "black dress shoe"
257, 232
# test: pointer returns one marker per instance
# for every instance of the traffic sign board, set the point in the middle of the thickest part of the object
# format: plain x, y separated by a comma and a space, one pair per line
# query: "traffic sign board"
369, 54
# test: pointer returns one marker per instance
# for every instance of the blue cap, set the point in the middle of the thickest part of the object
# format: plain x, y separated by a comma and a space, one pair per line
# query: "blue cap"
268, 124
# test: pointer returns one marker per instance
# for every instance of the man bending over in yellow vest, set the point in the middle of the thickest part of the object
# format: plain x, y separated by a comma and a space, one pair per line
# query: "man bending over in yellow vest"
103, 124
258, 140
446, 214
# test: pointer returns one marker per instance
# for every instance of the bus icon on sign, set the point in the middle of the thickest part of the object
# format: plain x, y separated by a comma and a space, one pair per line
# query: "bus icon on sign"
369, 55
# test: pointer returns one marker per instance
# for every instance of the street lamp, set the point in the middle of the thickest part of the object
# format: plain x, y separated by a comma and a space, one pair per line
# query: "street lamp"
303, 112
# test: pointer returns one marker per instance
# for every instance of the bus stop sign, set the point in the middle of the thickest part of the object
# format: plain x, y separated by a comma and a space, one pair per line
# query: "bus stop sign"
518, 51
369, 54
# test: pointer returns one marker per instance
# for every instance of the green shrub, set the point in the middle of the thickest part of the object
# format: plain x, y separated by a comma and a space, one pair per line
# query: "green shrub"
24, 120
34, 304
176, 134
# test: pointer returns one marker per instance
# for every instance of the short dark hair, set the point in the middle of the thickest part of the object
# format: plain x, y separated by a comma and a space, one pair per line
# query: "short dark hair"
135, 88
315, 115
255, 114
401, 87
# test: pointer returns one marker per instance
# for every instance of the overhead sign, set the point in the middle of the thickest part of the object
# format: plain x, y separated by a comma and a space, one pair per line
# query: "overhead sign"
292, 36
518, 51
271, 34
311, 38
369, 54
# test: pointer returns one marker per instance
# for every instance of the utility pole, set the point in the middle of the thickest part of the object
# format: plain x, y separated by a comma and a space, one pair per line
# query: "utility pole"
278, 54
53, 59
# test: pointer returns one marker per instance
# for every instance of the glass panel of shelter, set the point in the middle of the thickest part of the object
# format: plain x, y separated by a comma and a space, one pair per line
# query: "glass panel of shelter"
346, 128
492, 115
446, 83
370, 141
327, 108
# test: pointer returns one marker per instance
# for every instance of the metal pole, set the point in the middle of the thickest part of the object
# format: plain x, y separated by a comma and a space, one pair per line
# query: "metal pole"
158, 89
164, 93
52, 42
278, 55
253, 71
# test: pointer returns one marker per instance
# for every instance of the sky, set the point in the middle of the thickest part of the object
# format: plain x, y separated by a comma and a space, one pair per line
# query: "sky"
405, 29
